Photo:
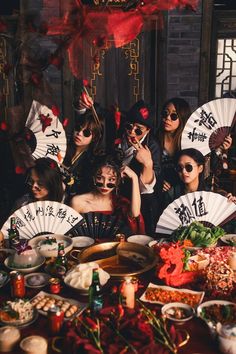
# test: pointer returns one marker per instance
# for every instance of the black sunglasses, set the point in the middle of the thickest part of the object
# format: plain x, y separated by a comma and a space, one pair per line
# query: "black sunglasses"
30, 182
86, 132
108, 185
173, 116
137, 131
188, 167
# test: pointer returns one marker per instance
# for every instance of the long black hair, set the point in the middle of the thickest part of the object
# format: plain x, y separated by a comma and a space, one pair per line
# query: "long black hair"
198, 157
50, 177
183, 110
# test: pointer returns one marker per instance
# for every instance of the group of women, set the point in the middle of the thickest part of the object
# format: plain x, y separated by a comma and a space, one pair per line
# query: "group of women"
91, 181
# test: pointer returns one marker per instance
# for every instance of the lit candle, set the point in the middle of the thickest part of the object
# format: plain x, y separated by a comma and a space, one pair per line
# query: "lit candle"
128, 292
232, 261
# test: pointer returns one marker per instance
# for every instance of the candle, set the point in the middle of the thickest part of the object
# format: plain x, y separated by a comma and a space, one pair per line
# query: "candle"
128, 292
232, 261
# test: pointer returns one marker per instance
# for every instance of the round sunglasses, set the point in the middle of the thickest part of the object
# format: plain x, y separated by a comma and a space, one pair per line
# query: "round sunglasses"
188, 168
173, 116
137, 131
39, 186
86, 132
108, 185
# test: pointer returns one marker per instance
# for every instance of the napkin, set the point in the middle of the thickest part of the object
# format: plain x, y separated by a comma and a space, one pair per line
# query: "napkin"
81, 276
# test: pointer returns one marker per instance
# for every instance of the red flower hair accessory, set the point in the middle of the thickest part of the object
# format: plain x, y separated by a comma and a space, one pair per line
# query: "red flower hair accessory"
144, 112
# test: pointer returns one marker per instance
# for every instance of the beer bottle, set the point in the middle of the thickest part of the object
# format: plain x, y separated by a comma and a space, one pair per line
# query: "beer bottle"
61, 260
13, 234
95, 293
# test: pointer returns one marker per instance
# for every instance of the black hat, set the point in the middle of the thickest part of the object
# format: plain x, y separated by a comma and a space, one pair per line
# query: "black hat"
141, 113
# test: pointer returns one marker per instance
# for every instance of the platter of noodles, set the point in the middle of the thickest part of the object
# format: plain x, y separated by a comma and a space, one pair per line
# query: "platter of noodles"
120, 259
19, 313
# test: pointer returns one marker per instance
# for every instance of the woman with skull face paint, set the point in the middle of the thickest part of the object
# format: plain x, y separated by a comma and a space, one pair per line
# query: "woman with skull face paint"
104, 197
81, 152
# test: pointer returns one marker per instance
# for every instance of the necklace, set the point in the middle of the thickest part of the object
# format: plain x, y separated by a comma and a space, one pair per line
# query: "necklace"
75, 158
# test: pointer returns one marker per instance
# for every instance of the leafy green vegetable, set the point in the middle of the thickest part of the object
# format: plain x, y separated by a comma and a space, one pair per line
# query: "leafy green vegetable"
198, 234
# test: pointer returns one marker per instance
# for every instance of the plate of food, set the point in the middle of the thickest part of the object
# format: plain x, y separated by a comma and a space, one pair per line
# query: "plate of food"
196, 235
36, 280
229, 239
178, 312
47, 245
80, 277
161, 294
19, 313
43, 301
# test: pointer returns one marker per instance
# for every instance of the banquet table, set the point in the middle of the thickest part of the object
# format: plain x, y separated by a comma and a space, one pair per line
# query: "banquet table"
200, 341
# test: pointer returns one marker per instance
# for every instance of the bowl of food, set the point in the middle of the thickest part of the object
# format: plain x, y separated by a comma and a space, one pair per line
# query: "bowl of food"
47, 245
217, 312
27, 267
140, 239
82, 241
177, 312
18, 313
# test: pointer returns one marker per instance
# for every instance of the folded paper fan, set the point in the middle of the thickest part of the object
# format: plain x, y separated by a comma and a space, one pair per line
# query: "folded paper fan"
208, 207
49, 134
207, 127
43, 217
100, 226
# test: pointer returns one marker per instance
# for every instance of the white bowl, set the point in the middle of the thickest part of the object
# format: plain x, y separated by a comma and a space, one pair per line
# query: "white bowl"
40, 261
82, 241
140, 239
169, 311
227, 338
51, 250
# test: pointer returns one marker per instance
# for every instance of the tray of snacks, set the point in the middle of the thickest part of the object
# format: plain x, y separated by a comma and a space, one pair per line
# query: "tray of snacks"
18, 313
43, 301
161, 294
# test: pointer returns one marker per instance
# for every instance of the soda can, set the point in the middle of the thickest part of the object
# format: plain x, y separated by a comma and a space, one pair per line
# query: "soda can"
55, 286
17, 284
55, 319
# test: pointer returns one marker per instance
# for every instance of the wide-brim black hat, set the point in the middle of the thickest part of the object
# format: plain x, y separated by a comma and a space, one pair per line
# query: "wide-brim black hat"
141, 113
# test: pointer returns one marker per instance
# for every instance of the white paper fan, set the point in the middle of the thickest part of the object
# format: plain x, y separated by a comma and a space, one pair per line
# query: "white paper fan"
200, 206
207, 127
43, 217
48, 132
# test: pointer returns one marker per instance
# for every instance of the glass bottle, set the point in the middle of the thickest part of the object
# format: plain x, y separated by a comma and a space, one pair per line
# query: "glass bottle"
13, 234
61, 263
95, 293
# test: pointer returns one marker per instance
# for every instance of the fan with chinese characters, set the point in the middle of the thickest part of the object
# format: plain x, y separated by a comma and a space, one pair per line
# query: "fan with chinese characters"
43, 217
49, 139
212, 209
207, 127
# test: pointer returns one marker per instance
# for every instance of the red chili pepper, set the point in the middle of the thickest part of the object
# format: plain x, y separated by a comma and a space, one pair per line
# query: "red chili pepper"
93, 325
65, 122
117, 118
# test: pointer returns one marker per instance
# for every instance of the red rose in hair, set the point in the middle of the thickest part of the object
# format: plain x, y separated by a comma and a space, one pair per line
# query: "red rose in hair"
144, 112
55, 111
19, 170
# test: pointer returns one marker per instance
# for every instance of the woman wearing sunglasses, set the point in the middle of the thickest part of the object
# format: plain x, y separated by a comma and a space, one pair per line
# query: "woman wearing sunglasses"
81, 151
190, 169
44, 183
174, 115
105, 199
